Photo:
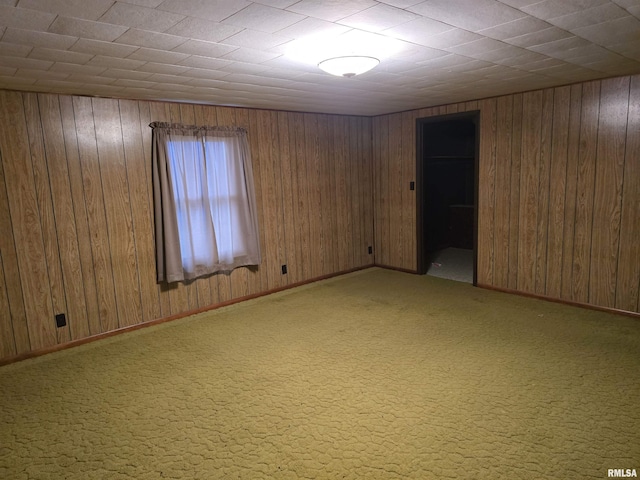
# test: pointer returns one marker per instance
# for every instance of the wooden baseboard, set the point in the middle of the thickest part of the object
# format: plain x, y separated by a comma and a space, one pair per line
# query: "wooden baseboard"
588, 306
158, 321
397, 269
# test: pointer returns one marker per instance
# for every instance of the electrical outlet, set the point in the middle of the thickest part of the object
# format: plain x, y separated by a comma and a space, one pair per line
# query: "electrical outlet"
61, 320
284, 269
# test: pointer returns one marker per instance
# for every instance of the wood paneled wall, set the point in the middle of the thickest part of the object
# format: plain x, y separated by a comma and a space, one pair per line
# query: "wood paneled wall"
559, 191
559, 203
76, 211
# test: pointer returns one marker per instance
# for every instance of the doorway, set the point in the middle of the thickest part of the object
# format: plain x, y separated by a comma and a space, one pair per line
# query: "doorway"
447, 166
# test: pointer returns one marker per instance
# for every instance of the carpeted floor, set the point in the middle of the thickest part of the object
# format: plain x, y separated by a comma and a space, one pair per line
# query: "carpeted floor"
373, 375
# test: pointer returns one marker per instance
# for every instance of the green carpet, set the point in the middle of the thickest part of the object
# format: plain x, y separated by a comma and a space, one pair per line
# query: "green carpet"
373, 375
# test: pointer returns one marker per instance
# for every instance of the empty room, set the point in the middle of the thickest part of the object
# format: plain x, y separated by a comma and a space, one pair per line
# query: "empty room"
319, 239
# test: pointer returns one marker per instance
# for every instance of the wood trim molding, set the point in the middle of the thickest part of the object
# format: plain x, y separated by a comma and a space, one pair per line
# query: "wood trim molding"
588, 306
397, 269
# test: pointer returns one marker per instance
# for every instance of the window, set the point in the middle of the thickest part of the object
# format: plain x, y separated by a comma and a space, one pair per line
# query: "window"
204, 201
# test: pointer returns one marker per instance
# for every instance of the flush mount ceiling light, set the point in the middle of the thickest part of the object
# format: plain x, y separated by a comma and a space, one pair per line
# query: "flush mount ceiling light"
348, 65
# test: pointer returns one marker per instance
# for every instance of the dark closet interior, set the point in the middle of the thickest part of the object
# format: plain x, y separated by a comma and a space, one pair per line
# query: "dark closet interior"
449, 164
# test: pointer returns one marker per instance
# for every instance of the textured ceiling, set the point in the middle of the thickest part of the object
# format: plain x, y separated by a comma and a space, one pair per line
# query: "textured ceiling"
263, 53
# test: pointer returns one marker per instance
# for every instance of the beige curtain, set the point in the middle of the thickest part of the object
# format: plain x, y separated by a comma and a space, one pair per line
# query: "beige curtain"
204, 201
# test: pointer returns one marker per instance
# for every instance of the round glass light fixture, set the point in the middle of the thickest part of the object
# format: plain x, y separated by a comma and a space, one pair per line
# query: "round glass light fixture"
348, 66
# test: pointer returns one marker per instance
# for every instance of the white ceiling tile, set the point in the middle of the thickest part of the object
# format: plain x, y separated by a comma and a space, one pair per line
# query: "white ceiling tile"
538, 38
40, 75
522, 26
205, 49
501, 54
143, 3
515, 60
587, 56
204, 62
203, 73
431, 66
129, 74
263, 18
562, 71
86, 29
540, 65
477, 47
590, 16
79, 69
7, 71
418, 53
215, 10
386, 78
418, 31
614, 67
38, 39
558, 48
18, 83
207, 86
239, 67
627, 3
251, 38
469, 68
401, 3
202, 29
97, 47
468, 14
283, 48
625, 29
443, 50
395, 66
14, 50
249, 55
90, 79
130, 82
115, 62
86, 9
60, 55
276, 3
507, 74
313, 26
158, 56
167, 78
143, 38
279, 73
330, 10
519, 3
257, 80
140, 17
495, 71
378, 18
451, 38
163, 68
634, 11
627, 49
29, 63
553, 8
26, 19
293, 66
